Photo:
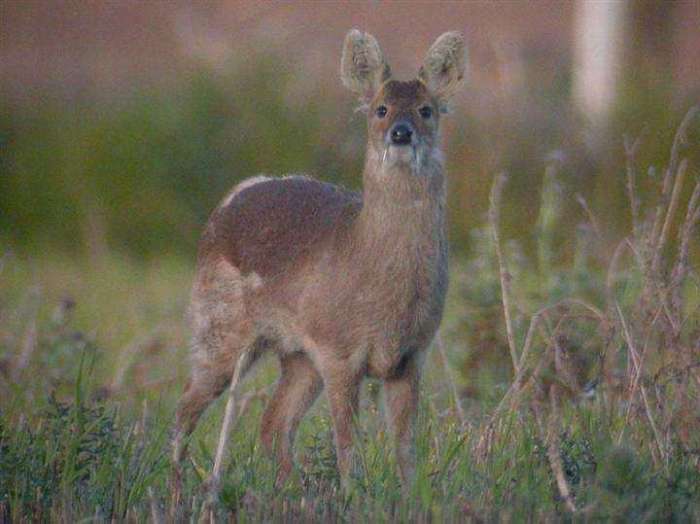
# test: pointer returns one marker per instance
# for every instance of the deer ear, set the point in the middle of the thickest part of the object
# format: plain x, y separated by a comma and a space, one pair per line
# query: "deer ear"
363, 68
444, 65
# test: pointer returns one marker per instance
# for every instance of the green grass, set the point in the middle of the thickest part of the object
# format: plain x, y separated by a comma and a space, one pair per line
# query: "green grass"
70, 451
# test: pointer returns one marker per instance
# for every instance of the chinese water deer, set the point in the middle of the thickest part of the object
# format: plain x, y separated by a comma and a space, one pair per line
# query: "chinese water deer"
340, 285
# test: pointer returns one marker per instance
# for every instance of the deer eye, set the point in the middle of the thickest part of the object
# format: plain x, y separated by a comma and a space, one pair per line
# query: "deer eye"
381, 111
425, 111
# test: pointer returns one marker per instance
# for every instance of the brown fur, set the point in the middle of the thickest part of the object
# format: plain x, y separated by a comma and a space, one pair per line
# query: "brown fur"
340, 285
362, 65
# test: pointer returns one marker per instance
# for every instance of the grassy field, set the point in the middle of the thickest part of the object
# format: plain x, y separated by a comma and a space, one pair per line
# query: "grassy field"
559, 389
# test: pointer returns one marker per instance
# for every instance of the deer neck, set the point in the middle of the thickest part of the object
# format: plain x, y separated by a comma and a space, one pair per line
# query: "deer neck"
403, 204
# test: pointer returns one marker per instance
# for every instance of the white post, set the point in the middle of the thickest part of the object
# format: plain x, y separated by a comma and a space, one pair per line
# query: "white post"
598, 47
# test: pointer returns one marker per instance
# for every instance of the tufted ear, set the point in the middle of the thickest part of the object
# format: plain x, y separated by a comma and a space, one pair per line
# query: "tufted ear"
444, 65
363, 68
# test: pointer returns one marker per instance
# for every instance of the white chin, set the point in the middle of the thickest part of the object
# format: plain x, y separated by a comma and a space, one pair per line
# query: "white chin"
400, 155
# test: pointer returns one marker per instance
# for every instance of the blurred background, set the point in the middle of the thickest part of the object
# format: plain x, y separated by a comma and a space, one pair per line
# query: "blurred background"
122, 124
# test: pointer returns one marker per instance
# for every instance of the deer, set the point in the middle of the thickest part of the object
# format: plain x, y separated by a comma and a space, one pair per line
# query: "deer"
340, 285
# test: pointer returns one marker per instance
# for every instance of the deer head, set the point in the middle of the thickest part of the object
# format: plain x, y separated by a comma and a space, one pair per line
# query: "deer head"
403, 116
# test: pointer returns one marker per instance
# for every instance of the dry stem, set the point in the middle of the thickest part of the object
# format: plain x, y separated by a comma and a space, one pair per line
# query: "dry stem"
214, 482
128, 354
450, 378
677, 186
554, 454
31, 336
671, 170
636, 360
505, 278
594, 223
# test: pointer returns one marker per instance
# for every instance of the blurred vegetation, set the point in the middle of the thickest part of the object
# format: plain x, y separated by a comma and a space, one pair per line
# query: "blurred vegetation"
141, 175
138, 175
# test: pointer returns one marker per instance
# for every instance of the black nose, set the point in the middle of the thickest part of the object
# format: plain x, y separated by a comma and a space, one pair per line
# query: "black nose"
401, 134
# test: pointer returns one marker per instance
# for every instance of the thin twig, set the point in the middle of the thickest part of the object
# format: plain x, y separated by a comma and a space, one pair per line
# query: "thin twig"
450, 379
30, 342
675, 196
591, 217
128, 354
637, 364
631, 149
554, 454
612, 268
214, 482
681, 138
505, 278
692, 217
29, 346
678, 141
628, 337
654, 429
636, 380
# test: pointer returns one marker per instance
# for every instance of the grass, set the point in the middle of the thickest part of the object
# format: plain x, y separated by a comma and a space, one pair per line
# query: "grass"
564, 391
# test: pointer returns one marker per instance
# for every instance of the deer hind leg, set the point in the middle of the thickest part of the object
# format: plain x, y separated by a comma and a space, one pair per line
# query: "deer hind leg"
298, 387
222, 333
202, 389
207, 382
